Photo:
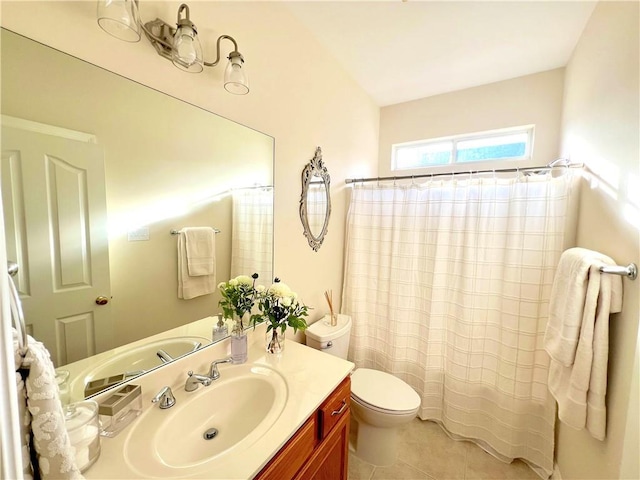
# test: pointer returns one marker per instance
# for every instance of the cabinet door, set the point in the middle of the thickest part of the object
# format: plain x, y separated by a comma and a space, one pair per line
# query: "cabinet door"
330, 460
293, 455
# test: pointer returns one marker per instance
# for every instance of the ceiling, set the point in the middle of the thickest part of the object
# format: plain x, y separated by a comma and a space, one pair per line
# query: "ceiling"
404, 50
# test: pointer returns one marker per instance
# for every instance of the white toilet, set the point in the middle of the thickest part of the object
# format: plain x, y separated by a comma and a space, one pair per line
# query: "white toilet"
380, 402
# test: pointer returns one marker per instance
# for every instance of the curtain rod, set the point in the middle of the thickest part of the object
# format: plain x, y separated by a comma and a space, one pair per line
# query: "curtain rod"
467, 172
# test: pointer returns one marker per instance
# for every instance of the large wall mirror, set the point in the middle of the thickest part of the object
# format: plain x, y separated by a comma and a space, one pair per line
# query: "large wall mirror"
153, 164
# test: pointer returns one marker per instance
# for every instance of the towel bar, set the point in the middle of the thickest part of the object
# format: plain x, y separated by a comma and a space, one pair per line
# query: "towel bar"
177, 232
630, 270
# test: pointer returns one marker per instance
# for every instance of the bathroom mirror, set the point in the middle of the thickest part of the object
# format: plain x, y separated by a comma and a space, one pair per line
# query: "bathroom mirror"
165, 164
315, 200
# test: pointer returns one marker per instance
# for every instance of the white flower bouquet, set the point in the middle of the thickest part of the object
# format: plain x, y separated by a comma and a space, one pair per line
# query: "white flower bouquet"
238, 297
279, 307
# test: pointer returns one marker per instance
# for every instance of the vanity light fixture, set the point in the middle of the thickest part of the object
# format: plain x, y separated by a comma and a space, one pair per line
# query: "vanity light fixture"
120, 18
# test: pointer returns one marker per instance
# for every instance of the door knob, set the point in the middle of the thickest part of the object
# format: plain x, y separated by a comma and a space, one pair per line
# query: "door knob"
102, 300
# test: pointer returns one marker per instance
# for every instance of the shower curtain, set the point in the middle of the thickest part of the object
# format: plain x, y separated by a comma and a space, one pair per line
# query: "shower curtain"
448, 285
252, 233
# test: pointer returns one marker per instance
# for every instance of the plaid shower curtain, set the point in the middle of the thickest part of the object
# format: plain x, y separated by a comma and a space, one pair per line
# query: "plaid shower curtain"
448, 285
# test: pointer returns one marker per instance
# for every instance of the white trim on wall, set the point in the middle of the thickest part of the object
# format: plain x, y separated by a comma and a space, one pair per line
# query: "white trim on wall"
28, 125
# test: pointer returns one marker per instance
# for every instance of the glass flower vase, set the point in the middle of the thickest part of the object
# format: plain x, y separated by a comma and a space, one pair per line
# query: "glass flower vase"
274, 340
239, 344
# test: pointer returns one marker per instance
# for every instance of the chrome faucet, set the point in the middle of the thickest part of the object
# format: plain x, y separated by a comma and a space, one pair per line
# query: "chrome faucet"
165, 398
214, 374
194, 380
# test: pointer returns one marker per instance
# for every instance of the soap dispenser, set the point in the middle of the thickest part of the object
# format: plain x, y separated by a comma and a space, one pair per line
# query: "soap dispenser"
220, 330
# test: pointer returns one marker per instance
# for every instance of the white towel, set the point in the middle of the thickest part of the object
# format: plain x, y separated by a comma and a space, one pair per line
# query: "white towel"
17, 356
25, 428
192, 286
570, 298
201, 250
24, 415
580, 386
56, 456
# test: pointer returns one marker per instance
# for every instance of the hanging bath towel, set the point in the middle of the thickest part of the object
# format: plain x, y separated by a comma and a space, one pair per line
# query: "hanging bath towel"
196, 262
200, 243
577, 338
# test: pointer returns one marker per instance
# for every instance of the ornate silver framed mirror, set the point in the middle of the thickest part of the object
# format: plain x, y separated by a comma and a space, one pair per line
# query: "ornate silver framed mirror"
315, 201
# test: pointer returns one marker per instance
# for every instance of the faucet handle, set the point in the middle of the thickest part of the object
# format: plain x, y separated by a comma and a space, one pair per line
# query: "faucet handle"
214, 374
195, 379
165, 398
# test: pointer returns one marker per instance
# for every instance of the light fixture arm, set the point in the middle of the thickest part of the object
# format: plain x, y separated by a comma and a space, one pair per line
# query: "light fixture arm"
186, 21
235, 52
179, 43
163, 39
160, 35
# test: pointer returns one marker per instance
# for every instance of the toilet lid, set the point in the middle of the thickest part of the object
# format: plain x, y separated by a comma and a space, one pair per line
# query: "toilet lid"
383, 391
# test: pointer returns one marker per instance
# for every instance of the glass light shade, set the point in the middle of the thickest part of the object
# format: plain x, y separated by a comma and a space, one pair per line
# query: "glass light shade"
187, 52
235, 77
119, 18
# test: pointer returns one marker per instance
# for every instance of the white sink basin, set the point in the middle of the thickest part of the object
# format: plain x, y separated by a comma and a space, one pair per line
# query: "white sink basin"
132, 360
242, 405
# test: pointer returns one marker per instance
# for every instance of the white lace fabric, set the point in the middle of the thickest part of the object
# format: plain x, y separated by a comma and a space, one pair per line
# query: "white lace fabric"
54, 453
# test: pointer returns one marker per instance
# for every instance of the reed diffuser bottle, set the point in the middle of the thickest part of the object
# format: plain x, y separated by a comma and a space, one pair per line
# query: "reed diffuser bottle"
333, 316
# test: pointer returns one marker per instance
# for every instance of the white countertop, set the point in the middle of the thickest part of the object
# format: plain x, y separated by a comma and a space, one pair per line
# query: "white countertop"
310, 376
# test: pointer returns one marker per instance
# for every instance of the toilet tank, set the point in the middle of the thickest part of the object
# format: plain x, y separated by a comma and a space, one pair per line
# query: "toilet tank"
334, 340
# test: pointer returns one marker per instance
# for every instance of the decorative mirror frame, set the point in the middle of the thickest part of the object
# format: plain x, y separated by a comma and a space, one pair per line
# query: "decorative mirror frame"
315, 167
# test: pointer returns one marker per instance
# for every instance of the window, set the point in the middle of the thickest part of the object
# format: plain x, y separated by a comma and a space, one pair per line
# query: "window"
507, 144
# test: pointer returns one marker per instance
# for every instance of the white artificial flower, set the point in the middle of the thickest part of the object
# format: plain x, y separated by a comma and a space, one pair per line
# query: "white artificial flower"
260, 288
286, 301
233, 282
280, 290
244, 279
294, 295
221, 285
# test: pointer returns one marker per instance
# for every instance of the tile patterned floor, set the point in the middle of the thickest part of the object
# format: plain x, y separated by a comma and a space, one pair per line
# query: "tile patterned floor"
427, 453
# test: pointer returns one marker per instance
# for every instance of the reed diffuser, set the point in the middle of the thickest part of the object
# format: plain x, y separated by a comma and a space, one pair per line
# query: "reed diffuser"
328, 295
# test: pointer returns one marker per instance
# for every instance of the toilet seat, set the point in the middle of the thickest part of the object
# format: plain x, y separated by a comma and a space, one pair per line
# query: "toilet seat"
382, 392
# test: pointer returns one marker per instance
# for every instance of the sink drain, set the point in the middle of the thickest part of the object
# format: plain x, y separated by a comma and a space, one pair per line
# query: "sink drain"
210, 434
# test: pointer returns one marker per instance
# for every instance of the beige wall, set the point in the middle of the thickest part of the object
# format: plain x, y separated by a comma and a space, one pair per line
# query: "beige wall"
299, 95
532, 99
601, 128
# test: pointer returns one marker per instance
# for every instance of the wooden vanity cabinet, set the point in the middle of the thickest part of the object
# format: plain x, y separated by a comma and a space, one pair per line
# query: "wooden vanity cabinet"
319, 450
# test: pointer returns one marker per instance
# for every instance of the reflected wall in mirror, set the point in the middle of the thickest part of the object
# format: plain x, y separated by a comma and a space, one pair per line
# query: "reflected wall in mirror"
157, 164
315, 201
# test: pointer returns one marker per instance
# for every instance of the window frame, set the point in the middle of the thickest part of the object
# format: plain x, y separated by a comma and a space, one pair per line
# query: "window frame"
529, 130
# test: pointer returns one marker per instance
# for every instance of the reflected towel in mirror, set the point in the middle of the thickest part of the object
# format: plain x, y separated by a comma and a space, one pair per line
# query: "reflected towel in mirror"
201, 250
191, 286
